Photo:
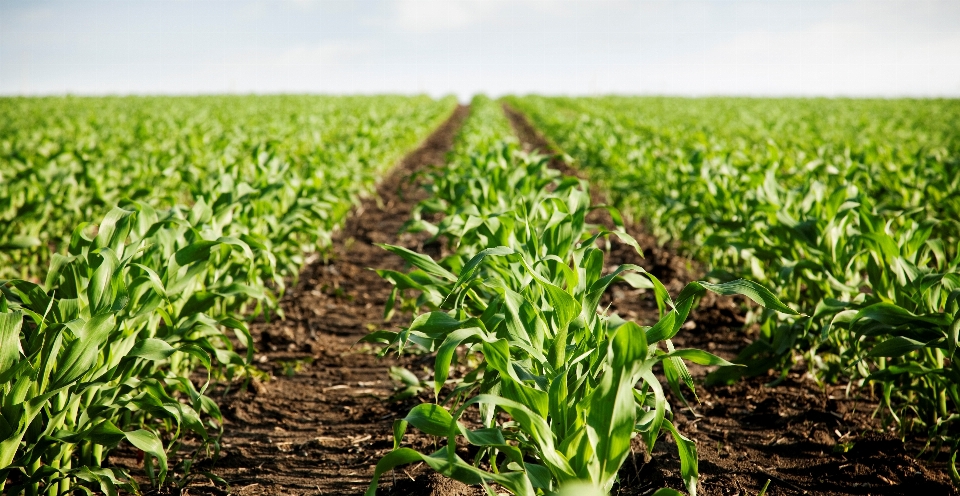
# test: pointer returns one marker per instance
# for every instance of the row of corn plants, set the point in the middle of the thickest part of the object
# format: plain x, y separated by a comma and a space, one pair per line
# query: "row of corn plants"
118, 340
848, 209
555, 387
69, 160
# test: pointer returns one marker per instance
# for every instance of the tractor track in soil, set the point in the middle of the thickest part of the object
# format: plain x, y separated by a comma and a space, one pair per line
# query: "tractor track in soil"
748, 433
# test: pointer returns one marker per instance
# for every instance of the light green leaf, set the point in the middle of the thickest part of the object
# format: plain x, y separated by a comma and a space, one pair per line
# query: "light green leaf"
150, 444
420, 261
759, 294
700, 357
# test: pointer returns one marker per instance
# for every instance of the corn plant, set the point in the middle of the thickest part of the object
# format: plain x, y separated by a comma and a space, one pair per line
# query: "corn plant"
64, 161
522, 291
102, 352
102, 349
853, 220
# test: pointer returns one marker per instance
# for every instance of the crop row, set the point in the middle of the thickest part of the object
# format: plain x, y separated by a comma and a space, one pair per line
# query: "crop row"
848, 209
64, 161
105, 345
554, 388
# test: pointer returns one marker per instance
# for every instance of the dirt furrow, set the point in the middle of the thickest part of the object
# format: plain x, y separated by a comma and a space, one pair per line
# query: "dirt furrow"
324, 419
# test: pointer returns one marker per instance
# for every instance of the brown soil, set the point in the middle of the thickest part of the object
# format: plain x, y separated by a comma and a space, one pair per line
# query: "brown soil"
803, 438
324, 419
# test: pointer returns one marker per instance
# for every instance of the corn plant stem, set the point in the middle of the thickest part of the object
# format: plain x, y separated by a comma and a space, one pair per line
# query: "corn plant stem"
953, 467
54, 489
33, 489
66, 463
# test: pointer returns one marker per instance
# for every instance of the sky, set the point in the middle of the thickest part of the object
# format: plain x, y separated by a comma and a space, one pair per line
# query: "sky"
682, 47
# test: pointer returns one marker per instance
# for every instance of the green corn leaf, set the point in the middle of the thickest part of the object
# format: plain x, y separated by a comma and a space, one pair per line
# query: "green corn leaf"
954, 335
893, 315
497, 355
399, 429
689, 470
404, 376
101, 292
563, 304
650, 427
26, 412
194, 252
752, 290
242, 334
484, 437
533, 424
152, 349
612, 414
538, 475
434, 324
419, 261
451, 466
664, 328
10, 340
432, 419
446, 351
150, 444
666, 491
895, 346
32, 296
470, 266
114, 229
108, 480
243, 246
81, 354
700, 357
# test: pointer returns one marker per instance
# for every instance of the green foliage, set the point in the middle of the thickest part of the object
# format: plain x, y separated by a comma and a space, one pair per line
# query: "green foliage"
562, 387
64, 161
848, 208
105, 350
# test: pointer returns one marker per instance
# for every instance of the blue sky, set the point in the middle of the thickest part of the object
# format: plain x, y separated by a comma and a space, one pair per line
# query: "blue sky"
770, 47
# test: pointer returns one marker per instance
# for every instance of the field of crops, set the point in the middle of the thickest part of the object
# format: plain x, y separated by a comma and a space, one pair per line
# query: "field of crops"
146, 234
186, 303
850, 210
65, 162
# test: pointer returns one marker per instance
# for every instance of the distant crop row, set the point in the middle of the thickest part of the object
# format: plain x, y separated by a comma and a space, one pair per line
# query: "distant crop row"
67, 161
850, 209
224, 198
560, 386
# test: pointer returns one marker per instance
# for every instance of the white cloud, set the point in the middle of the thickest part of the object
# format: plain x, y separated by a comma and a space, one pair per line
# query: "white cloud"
425, 16
789, 47
327, 53
433, 16
859, 49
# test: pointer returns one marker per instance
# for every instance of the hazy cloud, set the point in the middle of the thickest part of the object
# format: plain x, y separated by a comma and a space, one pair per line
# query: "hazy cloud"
695, 47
